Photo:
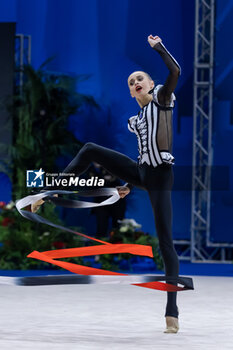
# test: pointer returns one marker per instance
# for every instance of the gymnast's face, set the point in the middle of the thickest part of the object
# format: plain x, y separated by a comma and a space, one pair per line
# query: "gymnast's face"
139, 84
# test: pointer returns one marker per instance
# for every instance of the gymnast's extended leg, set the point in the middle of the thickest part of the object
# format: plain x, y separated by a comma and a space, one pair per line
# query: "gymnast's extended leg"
115, 162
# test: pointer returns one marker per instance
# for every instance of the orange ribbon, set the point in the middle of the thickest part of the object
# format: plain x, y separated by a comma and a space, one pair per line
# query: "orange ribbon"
51, 256
108, 248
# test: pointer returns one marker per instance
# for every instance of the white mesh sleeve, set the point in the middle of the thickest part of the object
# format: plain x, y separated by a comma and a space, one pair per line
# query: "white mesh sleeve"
155, 96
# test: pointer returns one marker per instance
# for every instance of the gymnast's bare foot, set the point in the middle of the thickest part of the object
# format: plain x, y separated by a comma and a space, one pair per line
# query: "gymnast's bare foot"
172, 325
35, 206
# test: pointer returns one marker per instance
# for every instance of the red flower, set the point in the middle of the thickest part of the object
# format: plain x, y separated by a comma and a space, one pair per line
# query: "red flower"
7, 221
2, 204
59, 245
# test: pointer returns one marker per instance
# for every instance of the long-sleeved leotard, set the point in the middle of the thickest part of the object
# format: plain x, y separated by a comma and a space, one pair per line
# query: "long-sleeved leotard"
156, 180
169, 86
154, 129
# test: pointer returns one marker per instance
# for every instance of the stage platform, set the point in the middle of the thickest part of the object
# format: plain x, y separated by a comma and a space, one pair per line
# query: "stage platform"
114, 316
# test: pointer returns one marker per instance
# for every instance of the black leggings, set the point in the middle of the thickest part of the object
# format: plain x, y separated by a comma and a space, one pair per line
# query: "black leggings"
158, 183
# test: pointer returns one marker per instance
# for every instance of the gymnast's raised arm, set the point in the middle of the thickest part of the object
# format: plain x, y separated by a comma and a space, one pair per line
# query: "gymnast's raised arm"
165, 92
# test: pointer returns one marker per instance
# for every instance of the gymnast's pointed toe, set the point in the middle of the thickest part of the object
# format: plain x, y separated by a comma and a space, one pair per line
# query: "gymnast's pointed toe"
172, 325
35, 206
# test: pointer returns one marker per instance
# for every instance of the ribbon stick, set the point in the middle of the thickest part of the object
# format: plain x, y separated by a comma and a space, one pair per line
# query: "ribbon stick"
51, 256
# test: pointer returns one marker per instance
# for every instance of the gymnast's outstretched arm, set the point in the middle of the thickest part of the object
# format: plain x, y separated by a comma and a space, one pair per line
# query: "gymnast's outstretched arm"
164, 94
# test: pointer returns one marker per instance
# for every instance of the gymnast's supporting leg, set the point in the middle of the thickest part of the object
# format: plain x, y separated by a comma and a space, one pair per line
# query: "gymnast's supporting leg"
127, 169
162, 208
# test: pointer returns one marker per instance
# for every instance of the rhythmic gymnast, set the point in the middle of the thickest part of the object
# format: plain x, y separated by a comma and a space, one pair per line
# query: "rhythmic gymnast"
153, 171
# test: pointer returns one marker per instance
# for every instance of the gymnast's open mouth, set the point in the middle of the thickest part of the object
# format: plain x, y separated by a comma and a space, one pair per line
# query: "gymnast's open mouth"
138, 88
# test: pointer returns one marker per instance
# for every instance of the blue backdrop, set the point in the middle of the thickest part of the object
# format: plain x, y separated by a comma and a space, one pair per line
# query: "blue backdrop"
108, 40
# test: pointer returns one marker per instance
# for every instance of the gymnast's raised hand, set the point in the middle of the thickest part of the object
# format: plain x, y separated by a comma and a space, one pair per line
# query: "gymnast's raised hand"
153, 40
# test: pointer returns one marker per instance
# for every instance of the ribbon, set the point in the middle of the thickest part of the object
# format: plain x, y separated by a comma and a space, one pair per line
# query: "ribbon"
105, 247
